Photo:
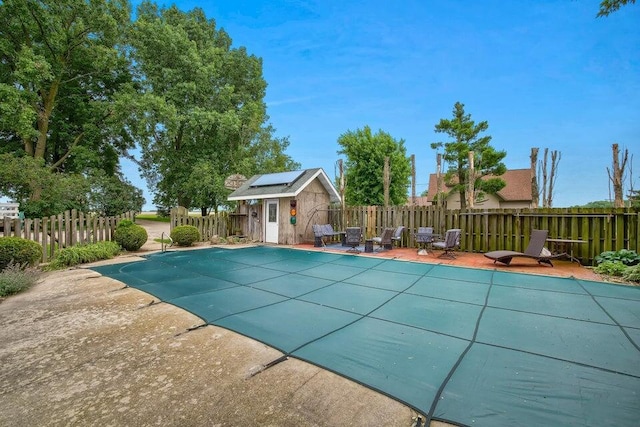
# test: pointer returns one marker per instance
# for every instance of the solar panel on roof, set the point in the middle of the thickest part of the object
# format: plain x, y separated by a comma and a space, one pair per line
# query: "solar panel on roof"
280, 178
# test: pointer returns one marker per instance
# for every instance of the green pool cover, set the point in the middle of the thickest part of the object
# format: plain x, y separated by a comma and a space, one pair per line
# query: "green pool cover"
466, 346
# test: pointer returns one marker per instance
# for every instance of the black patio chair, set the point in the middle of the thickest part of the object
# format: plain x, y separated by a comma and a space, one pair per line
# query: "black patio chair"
353, 238
450, 242
384, 240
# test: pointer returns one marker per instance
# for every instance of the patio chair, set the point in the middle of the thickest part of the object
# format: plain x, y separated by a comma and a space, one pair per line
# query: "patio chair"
384, 240
397, 235
424, 239
353, 237
317, 235
328, 231
450, 242
535, 250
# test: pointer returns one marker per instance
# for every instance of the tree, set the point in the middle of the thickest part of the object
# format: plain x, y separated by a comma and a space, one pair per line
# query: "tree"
60, 67
266, 154
200, 100
206, 187
466, 138
549, 176
365, 154
112, 195
617, 175
608, 7
60, 192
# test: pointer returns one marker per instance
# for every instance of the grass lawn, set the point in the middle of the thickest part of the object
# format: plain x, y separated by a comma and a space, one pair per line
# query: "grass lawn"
153, 217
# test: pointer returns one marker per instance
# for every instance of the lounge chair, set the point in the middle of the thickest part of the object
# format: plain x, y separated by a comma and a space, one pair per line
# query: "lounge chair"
397, 235
353, 237
384, 240
535, 250
450, 242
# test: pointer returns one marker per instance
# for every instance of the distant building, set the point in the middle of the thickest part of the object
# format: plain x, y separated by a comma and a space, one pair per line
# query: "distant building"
515, 195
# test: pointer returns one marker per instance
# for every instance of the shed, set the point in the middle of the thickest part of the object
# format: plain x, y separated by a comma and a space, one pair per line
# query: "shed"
282, 206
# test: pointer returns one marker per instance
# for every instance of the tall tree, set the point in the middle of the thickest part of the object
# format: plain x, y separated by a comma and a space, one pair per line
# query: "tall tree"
549, 176
201, 99
535, 192
61, 66
617, 174
466, 136
365, 153
59, 69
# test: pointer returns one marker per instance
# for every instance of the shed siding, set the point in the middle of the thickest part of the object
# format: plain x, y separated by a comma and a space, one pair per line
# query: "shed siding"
311, 206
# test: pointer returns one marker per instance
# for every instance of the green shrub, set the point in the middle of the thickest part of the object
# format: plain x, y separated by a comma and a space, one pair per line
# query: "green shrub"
75, 255
624, 256
185, 235
20, 251
16, 278
129, 235
610, 268
632, 274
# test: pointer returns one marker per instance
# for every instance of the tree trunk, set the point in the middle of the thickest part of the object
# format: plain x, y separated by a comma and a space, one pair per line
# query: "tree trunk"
386, 181
462, 183
413, 179
535, 192
617, 175
544, 178
439, 200
555, 159
471, 189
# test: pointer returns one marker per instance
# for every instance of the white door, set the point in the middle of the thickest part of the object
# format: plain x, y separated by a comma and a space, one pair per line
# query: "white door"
271, 221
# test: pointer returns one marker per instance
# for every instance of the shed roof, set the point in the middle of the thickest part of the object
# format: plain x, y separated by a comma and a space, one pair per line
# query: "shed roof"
283, 184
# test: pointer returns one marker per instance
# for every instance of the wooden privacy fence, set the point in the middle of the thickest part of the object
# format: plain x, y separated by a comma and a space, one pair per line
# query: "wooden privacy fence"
494, 229
66, 229
217, 224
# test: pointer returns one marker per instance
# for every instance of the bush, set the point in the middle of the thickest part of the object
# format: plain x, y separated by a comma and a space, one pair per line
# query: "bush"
16, 278
74, 255
129, 235
632, 274
20, 251
185, 235
624, 256
611, 268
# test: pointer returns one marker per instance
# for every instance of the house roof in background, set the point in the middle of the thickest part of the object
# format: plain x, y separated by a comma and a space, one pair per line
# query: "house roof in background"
283, 184
518, 186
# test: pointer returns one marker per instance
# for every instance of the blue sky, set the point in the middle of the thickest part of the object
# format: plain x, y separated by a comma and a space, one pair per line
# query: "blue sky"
545, 74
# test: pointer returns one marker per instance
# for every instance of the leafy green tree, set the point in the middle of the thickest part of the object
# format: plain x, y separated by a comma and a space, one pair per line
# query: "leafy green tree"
200, 100
60, 67
206, 187
112, 195
466, 136
364, 166
60, 192
608, 7
266, 154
